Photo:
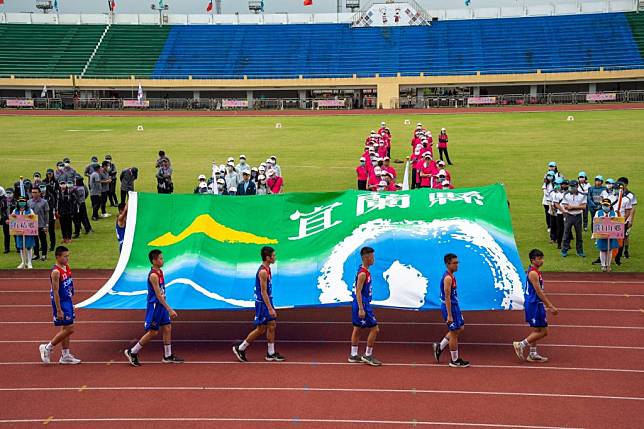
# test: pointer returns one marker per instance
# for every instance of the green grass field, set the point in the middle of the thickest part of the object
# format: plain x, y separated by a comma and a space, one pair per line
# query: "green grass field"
320, 154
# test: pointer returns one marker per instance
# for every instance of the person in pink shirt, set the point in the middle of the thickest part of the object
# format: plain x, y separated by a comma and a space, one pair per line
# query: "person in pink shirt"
374, 179
442, 145
363, 174
447, 185
382, 150
415, 141
383, 127
426, 171
386, 160
441, 166
274, 182
391, 184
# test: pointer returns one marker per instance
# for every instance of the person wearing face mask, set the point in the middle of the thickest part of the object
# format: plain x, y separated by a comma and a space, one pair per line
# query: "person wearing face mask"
242, 164
231, 177
67, 209
90, 167
51, 195
4, 217
60, 174
24, 244
605, 245
127, 178
629, 219
442, 146
37, 180
584, 188
105, 186
427, 171
232, 191
70, 173
201, 181
81, 218
274, 182
546, 188
221, 187
262, 188
164, 178
386, 166
595, 195
610, 192
111, 192
573, 204
561, 187
363, 174
624, 208
552, 166
247, 186
253, 175
40, 207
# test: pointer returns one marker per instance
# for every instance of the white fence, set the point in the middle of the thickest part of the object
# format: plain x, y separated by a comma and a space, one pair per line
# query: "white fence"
561, 8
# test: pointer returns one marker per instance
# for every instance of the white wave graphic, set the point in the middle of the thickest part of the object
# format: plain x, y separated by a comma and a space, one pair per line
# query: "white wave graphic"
506, 277
198, 288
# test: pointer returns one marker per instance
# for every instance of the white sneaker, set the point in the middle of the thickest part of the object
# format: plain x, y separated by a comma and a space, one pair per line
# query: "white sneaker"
21, 266
105, 215
45, 354
519, 349
29, 266
69, 360
537, 358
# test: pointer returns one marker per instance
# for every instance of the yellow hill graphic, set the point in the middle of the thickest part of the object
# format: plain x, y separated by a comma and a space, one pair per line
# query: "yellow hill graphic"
204, 224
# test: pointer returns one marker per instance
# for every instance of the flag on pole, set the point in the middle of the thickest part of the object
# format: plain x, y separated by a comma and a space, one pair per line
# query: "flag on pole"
209, 7
405, 186
43, 93
1, 2
160, 4
111, 4
23, 193
139, 94
214, 176
308, 2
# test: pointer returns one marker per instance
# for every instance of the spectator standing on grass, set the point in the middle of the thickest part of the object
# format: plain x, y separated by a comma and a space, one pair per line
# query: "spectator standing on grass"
363, 174
24, 244
624, 208
442, 146
275, 183
68, 170
105, 186
231, 178
584, 188
51, 195
67, 209
595, 195
262, 188
275, 165
573, 205
90, 167
561, 187
164, 178
4, 218
81, 219
552, 166
201, 180
247, 186
40, 207
630, 218
111, 193
243, 165
128, 177
159, 162
605, 245
546, 188
95, 191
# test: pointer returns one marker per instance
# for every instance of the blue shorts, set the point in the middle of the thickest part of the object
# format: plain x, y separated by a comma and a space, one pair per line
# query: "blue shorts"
457, 316
535, 315
369, 320
156, 315
262, 316
68, 313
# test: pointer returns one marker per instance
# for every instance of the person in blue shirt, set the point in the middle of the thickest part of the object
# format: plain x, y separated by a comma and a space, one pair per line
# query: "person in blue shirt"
61, 292
535, 306
362, 313
605, 245
120, 225
451, 314
265, 315
158, 314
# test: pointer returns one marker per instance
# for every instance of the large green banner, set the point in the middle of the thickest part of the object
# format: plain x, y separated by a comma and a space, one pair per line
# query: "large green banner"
211, 246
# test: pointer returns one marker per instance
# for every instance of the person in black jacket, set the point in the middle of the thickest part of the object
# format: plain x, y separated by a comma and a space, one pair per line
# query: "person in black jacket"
247, 186
67, 209
4, 217
81, 218
51, 195
111, 193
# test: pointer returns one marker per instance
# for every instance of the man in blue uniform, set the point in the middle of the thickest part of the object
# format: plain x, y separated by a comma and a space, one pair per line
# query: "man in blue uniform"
62, 290
158, 314
451, 314
362, 315
536, 304
120, 224
265, 314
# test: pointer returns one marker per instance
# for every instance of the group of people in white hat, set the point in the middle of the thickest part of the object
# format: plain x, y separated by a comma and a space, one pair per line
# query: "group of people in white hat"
242, 178
375, 172
426, 171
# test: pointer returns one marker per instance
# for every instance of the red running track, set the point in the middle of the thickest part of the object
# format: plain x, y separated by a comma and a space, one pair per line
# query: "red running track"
594, 379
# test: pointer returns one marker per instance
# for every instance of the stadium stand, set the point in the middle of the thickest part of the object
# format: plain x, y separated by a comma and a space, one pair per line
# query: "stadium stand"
636, 21
46, 50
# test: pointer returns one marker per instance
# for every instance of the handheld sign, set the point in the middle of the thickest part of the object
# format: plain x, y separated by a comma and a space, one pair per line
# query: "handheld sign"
23, 224
608, 227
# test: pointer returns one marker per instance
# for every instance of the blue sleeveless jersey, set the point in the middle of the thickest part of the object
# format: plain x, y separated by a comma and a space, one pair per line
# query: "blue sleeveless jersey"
152, 296
258, 285
366, 287
453, 295
120, 233
529, 294
65, 286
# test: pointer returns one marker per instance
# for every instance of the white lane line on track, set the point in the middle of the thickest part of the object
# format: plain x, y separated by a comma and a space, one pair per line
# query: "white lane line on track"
319, 389
295, 420
319, 322
424, 343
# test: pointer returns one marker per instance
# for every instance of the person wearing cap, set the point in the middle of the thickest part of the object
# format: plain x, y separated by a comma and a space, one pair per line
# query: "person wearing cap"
363, 174
67, 209
386, 166
40, 207
59, 174
442, 146
605, 245
112, 172
610, 192
626, 209
90, 167
595, 195
253, 174
201, 180
127, 178
247, 186
374, 178
36, 181
95, 190
546, 188
438, 180
164, 178
232, 191
262, 188
427, 171
274, 182
24, 244
391, 184
584, 188
381, 186
557, 228
105, 186
242, 164
4, 217
552, 166
573, 204
81, 218
276, 168
383, 127
69, 172
441, 166
231, 177
221, 187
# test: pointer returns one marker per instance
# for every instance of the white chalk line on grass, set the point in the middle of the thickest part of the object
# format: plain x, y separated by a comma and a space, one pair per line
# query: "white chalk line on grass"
88, 131
320, 389
294, 420
321, 322
414, 343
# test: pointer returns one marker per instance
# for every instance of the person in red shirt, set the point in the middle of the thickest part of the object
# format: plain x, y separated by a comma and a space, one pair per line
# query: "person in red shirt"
391, 184
374, 179
442, 145
382, 129
363, 174
441, 167
382, 150
274, 183
426, 171
447, 185
388, 168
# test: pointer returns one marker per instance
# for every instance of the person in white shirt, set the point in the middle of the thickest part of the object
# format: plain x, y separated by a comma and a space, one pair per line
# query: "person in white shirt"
573, 205
627, 211
546, 188
583, 189
561, 187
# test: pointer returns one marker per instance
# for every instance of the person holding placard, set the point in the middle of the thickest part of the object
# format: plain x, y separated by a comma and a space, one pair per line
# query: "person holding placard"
605, 245
24, 243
